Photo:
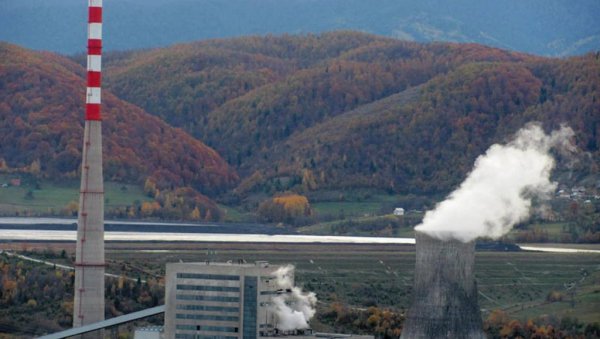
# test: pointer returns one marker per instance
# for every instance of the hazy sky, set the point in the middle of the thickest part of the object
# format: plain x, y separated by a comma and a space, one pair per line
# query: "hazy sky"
546, 27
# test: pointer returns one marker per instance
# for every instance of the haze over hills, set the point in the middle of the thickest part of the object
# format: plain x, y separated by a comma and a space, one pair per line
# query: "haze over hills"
553, 27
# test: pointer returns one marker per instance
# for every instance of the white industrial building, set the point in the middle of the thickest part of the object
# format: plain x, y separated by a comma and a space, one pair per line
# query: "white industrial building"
221, 300
209, 300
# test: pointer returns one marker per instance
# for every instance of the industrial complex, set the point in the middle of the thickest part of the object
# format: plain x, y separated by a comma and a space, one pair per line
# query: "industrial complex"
239, 300
224, 300
203, 300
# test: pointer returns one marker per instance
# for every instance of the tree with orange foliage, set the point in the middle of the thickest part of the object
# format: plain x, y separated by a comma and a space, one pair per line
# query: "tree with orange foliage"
3, 165
308, 180
150, 188
195, 214
285, 208
148, 208
70, 208
293, 204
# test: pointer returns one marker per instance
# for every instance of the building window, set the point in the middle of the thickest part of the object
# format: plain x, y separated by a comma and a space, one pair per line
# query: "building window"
207, 276
249, 309
207, 298
206, 328
271, 292
207, 317
184, 287
207, 308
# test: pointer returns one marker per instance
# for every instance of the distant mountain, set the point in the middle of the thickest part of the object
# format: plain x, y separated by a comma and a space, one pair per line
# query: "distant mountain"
543, 27
355, 110
41, 124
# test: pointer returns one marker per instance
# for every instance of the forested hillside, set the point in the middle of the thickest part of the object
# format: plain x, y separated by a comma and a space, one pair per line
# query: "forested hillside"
343, 108
428, 145
183, 83
41, 125
330, 112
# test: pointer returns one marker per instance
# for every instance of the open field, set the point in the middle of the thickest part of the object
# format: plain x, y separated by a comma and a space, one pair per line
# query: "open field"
554, 229
364, 275
50, 198
232, 214
382, 275
383, 225
347, 208
360, 203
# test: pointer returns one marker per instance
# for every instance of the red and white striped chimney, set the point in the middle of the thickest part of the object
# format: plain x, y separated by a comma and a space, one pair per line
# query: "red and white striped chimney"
89, 262
94, 61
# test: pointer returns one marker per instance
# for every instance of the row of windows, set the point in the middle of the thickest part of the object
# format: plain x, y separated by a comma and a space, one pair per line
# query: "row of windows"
207, 317
184, 287
207, 276
198, 336
267, 278
207, 328
208, 308
266, 326
270, 292
250, 289
207, 298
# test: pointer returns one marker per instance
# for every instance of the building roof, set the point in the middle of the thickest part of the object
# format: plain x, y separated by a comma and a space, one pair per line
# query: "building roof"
230, 263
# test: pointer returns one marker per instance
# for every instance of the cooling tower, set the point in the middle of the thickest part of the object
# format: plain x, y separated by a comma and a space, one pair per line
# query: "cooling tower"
445, 294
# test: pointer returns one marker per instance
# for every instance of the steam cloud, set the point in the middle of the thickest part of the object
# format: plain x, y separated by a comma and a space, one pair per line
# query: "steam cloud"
293, 310
498, 192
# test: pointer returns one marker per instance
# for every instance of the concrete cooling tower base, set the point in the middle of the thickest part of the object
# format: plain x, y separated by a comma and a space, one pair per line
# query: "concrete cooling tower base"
445, 294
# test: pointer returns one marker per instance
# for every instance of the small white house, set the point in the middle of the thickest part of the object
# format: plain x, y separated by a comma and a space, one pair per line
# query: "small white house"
399, 211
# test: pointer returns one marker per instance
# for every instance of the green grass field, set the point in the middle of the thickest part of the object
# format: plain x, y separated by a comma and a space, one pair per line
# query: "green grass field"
232, 214
363, 275
50, 198
352, 226
347, 208
554, 229
361, 204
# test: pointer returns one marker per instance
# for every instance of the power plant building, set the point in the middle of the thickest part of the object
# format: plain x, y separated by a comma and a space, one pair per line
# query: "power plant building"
221, 300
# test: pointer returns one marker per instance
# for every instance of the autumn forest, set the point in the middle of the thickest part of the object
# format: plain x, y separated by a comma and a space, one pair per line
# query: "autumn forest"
255, 121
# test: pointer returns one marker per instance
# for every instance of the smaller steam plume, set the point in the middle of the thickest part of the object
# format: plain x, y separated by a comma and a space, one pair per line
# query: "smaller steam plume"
498, 192
293, 309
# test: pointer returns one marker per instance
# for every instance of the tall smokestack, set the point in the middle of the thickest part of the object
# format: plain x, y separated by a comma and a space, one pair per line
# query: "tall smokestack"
89, 262
445, 294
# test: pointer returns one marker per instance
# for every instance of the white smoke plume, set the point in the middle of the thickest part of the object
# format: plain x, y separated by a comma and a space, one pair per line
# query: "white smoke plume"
498, 192
283, 277
293, 309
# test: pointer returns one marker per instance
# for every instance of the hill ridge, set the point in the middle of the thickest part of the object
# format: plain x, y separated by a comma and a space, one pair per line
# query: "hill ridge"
42, 117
